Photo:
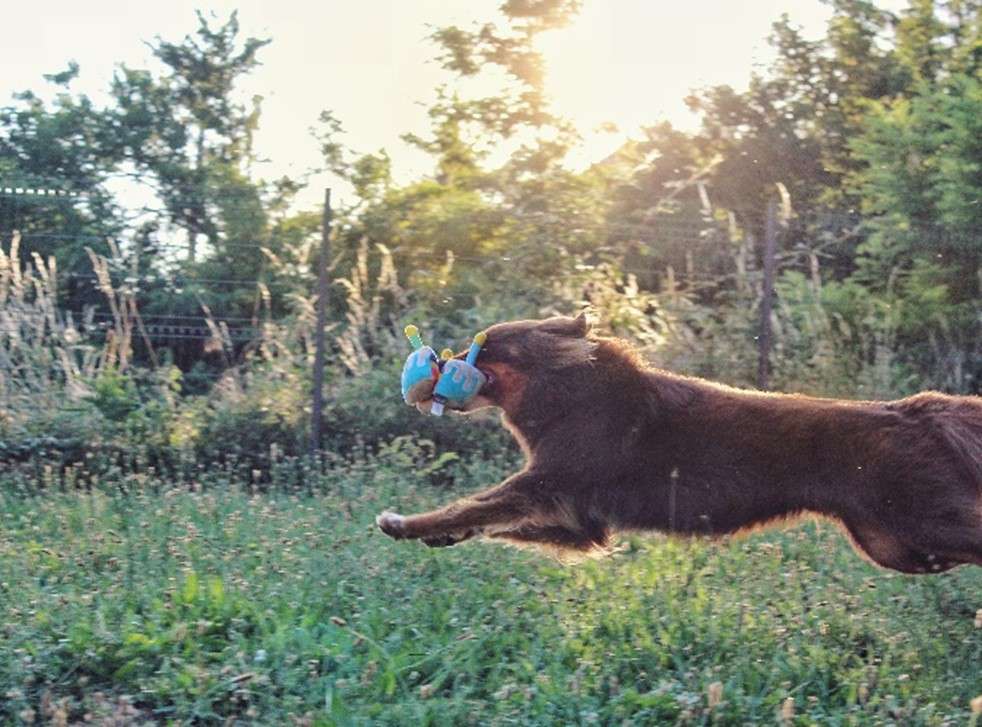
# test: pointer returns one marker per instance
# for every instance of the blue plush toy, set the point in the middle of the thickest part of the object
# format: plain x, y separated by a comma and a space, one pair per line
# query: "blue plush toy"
452, 382
459, 380
421, 370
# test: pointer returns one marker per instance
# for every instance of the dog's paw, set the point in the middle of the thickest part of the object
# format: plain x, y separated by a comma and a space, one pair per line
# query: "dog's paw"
392, 525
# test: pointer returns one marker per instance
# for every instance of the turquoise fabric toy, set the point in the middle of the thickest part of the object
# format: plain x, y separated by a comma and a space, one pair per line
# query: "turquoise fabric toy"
421, 370
459, 380
452, 382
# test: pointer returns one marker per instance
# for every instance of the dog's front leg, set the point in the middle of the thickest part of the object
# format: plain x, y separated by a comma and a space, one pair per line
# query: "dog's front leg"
504, 506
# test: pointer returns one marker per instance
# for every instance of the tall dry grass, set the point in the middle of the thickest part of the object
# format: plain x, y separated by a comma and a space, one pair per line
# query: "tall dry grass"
43, 357
46, 362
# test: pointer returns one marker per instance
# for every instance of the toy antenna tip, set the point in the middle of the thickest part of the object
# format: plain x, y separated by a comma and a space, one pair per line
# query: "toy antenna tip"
480, 338
446, 354
411, 331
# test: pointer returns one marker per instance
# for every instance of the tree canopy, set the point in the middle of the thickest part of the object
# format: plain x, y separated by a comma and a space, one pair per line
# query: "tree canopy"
872, 130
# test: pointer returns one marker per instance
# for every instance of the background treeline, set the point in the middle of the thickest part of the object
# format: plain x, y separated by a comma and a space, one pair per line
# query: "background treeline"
178, 330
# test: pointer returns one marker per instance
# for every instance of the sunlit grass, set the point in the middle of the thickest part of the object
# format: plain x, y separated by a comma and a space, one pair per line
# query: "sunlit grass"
181, 605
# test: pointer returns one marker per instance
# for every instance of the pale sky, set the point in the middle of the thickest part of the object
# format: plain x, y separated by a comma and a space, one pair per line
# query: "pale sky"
631, 62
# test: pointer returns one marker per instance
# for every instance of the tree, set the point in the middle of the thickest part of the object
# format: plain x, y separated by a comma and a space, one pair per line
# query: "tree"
482, 211
920, 187
60, 156
185, 133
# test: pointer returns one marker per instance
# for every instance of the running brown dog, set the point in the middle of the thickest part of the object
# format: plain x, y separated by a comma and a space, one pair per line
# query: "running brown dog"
612, 445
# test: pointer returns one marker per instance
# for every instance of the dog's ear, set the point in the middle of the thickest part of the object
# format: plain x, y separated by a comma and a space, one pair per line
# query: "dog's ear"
565, 326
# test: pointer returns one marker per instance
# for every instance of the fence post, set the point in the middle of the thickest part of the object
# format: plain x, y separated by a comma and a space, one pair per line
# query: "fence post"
323, 290
767, 296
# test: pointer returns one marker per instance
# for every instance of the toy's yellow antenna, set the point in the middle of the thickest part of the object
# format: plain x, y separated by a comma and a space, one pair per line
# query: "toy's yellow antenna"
412, 333
446, 354
475, 348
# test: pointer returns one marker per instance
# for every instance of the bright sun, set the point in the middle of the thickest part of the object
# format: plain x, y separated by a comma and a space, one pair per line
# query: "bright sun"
633, 62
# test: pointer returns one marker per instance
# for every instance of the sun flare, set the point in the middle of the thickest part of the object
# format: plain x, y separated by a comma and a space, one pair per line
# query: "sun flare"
624, 65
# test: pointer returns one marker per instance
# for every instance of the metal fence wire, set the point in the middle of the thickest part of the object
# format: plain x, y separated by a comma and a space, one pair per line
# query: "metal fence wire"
691, 233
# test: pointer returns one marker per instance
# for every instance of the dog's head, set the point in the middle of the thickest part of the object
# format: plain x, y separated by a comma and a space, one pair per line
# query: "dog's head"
520, 354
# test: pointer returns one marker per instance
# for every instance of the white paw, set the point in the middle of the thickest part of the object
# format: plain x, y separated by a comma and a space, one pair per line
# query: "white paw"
391, 524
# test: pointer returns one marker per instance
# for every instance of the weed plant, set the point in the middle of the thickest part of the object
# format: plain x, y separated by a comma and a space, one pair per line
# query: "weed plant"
278, 602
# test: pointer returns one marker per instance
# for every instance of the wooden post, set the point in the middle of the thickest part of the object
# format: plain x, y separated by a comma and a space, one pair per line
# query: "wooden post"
767, 296
323, 290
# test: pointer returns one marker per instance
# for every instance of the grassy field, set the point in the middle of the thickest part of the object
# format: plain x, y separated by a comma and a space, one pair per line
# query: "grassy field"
136, 602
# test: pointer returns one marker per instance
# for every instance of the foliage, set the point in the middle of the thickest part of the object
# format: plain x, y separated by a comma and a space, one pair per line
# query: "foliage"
55, 160
140, 601
921, 183
168, 553
44, 363
878, 116
187, 134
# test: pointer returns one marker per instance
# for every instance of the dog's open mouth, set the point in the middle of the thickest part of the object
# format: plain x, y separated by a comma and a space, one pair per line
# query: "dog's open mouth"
426, 406
422, 399
421, 396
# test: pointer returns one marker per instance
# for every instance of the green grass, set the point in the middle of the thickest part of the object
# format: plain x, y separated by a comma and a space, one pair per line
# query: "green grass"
173, 605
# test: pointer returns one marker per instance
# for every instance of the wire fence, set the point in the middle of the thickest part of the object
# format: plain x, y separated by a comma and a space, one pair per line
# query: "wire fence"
688, 232
208, 338
174, 284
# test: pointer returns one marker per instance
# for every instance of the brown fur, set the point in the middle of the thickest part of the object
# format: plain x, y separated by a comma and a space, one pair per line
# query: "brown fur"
614, 446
